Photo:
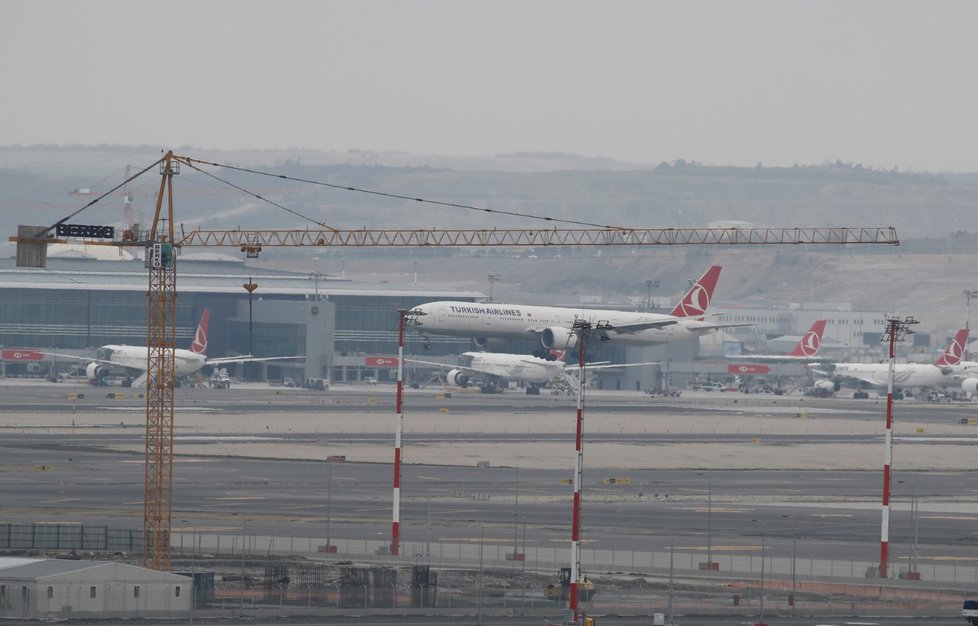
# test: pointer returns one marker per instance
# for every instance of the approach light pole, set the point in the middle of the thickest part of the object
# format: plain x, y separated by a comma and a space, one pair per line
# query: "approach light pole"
896, 329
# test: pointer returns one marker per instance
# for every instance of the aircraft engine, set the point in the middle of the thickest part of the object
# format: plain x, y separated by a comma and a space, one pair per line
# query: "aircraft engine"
457, 378
94, 371
827, 385
558, 338
486, 343
970, 385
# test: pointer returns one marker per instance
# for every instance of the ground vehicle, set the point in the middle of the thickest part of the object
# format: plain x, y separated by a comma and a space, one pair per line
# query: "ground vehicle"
317, 384
970, 611
370, 380
220, 379
560, 590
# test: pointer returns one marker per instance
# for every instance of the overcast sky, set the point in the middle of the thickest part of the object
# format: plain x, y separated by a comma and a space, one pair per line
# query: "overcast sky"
883, 83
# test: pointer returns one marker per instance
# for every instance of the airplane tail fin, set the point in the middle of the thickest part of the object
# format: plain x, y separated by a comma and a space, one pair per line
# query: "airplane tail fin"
697, 299
199, 344
558, 355
954, 351
811, 342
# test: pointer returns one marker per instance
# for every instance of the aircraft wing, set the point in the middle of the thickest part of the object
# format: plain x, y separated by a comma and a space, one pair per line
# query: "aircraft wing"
640, 326
697, 325
75, 357
461, 368
606, 365
435, 363
249, 359
776, 358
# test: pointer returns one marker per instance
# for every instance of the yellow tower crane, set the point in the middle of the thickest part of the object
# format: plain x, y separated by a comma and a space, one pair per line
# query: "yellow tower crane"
162, 247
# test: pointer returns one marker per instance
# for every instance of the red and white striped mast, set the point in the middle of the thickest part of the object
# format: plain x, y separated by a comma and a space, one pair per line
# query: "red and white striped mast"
399, 427
582, 329
896, 329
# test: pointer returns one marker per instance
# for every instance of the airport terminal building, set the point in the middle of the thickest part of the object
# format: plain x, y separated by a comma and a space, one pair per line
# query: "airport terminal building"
344, 328
347, 330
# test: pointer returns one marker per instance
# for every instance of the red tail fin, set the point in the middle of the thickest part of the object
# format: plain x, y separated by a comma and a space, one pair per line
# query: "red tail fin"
697, 299
955, 350
199, 344
811, 342
558, 355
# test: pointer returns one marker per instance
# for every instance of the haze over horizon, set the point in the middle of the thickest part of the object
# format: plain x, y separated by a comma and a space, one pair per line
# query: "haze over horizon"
888, 84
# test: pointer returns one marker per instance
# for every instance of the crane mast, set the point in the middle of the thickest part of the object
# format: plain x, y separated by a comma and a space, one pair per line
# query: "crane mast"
161, 341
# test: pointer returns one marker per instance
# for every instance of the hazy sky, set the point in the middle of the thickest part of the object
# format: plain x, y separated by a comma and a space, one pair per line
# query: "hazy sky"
884, 83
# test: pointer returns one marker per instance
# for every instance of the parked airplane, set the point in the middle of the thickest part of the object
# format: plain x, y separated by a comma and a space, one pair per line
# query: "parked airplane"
185, 362
946, 371
554, 325
495, 369
805, 350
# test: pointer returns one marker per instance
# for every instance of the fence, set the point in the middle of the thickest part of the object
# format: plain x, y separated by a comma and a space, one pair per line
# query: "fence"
185, 542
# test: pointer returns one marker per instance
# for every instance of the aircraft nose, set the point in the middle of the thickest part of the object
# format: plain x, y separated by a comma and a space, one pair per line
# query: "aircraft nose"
414, 315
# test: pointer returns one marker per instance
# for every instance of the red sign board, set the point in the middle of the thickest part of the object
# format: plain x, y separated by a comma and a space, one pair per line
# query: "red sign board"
13, 354
747, 368
381, 361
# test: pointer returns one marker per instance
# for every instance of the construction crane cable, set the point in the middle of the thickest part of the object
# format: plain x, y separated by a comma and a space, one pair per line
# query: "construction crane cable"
257, 196
109, 192
386, 194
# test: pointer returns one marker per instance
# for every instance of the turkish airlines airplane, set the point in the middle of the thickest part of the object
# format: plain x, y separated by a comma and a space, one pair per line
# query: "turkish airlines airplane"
496, 368
945, 371
185, 362
805, 350
554, 325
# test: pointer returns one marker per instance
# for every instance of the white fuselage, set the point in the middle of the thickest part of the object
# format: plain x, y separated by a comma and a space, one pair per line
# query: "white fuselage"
185, 362
516, 321
526, 369
904, 374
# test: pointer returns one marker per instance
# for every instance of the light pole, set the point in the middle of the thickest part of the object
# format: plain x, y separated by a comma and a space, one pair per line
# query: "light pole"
709, 519
316, 276
193, 570
244, 526
329, 499
763, 546
493, 278
250, 288
912, 572
968, 295
794, 552
651, 284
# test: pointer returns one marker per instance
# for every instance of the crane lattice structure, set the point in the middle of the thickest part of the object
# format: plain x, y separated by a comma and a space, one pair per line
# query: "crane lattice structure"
162, 247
